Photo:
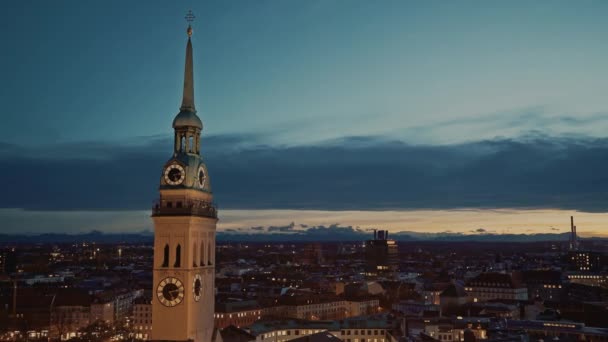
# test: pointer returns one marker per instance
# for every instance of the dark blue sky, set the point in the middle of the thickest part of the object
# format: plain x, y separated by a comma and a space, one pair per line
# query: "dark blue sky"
302, 71
324, 105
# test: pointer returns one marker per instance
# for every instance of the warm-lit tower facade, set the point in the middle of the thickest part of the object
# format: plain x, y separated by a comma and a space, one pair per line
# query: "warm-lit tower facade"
184, 232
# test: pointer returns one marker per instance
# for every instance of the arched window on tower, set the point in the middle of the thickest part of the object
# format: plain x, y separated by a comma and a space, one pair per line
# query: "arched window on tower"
209, 254
191, 143
183, 144
178, 256
194, 254
202, 254
166, 256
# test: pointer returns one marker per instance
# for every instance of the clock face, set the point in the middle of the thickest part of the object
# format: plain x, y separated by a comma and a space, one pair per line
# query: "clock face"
170, 291
197, 287
174, 174
202, 176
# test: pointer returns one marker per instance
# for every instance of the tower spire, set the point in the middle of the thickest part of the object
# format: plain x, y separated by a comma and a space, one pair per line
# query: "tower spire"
188, 96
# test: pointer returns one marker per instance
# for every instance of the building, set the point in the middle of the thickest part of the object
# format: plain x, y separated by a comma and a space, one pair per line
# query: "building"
102, 311
313, 307
544, 284
588, 278
586, 261
142, 318
489, 286
373, 328
234, 334
563, 331
312, 254
447, 329
414, 308
45, 313
184, 231
452, 299
432, 292
70, 312
8, 261
237, 313
361, 307
28, 312
381, 256
318, 337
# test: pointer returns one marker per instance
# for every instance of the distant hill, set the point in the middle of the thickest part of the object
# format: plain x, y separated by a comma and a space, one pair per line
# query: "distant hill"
399, 236
94, 236
303, 236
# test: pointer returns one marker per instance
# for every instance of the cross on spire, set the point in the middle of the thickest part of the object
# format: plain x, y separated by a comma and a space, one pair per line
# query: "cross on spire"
189, 18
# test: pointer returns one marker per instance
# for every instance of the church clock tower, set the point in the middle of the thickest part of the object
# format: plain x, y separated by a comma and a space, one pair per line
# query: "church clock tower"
184, 232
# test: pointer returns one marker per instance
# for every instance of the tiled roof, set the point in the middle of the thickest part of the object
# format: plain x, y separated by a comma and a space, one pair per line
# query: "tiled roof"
502, 280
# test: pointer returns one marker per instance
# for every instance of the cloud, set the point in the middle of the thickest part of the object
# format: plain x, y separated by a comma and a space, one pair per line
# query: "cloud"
352, 173
287, 228
506, 123
419, 224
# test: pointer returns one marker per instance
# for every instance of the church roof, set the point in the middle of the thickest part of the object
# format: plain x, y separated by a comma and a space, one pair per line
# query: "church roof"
187, 119
453, 291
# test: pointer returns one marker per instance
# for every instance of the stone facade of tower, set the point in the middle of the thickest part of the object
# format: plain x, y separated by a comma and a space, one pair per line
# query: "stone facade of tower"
184, 233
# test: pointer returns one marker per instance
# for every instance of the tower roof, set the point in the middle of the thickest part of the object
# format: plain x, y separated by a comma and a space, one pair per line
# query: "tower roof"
187, 112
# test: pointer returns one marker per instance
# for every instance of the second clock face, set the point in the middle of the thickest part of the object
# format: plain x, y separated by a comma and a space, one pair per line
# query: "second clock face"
170, 291
174, 174
201, 176
197, 287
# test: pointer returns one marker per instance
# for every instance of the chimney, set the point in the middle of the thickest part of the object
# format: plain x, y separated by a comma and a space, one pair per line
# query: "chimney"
15, 297
572, 224
572, 230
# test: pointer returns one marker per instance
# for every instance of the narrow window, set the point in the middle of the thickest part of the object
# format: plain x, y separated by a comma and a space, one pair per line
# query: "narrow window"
169, 204
202, 255
194, 254
178, 204
178, 256
191, 143
166, 257
209, 254
183, 144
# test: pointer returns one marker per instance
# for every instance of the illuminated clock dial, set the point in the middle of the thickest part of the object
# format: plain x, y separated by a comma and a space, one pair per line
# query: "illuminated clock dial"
197, 287
175, 174
202, 176
170, 291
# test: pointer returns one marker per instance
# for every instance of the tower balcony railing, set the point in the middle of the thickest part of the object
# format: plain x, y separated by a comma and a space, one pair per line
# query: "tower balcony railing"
185, 208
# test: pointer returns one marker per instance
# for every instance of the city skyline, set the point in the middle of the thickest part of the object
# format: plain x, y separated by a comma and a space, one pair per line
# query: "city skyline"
332, 171
350, 112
